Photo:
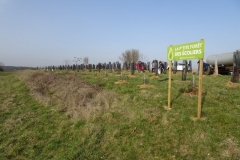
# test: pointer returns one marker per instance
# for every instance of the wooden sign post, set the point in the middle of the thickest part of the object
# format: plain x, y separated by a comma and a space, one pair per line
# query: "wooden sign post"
188, 51
200, 88
216, 67
169, 83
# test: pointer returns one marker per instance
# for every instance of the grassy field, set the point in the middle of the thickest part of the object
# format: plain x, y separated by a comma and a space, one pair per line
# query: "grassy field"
91, 115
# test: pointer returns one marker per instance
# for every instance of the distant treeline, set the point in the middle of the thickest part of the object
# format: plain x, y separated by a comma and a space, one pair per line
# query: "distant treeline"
17, 67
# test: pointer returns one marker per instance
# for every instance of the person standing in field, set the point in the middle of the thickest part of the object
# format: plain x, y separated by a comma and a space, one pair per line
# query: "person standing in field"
161, 67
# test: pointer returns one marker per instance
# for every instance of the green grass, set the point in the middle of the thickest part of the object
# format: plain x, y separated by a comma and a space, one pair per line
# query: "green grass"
6, 72
137, 127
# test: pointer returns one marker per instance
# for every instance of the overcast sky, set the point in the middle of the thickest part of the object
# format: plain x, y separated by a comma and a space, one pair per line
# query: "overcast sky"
48, 32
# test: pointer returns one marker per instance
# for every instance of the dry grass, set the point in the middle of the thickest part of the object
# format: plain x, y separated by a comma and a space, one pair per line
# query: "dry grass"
8, 101
152, 114
68, 93
231, 84
166, 108
231, 149
121, 82
146, 86
164, 119
191, 91
131, 76
153, 77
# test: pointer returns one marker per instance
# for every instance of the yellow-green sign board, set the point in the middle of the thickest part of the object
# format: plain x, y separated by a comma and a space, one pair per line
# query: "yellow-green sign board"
193, 50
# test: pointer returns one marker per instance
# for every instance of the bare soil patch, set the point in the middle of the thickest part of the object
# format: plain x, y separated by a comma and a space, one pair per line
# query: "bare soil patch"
231, 84
131, 76
146, 86
190, 91
231, 149
166, 108
153, 77
121, 82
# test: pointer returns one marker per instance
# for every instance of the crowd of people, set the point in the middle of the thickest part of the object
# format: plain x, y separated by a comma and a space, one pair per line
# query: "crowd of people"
141, 66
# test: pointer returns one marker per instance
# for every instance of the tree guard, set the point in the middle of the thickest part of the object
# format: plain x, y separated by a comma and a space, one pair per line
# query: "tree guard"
236, 67
156, 68
184, 71
110, 67
132, 68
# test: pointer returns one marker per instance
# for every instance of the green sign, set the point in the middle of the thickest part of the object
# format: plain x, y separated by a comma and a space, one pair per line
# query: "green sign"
194, 50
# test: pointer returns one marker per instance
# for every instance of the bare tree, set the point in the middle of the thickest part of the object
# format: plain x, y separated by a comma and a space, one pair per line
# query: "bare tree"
85, 60
126, 56
135, 55
1, 66
143, 58
76, 60
130, 56
67, 63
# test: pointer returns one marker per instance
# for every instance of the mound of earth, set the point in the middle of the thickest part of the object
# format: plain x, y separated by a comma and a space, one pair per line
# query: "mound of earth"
231, 84
146, 86
191, 90
120, 82
66, 92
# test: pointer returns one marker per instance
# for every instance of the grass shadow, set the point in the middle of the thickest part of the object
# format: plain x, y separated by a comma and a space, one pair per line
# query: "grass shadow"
165, 79
179, 94
204, 94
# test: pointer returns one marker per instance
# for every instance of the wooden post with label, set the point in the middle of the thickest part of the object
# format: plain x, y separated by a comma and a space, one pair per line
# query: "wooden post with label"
200, 88
216, 67
169, 83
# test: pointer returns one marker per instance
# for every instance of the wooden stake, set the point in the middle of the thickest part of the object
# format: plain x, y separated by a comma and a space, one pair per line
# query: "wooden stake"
200, 88
169, 83
193, 84
216, 67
